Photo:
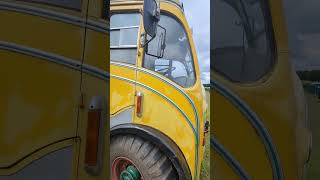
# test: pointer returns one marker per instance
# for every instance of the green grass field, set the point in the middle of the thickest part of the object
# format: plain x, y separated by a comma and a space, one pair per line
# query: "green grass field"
313, 172
205, 166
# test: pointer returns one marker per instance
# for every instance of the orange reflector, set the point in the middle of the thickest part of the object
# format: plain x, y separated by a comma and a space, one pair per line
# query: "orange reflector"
91, 155
139, 104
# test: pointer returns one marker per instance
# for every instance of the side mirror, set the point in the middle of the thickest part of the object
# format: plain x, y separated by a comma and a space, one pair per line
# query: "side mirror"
155, 46
151, 16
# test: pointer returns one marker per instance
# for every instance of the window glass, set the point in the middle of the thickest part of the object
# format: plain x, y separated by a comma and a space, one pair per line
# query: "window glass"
241, 45
177, 62
124, 36
70, 4
124, 20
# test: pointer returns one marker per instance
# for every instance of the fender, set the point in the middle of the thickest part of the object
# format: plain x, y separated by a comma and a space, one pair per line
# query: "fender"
164, 143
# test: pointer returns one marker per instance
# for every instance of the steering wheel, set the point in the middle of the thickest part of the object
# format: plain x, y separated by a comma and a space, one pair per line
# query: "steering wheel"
165, 71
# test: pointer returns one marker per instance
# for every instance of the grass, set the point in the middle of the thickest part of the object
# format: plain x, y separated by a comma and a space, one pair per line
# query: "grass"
313, 171
205, 166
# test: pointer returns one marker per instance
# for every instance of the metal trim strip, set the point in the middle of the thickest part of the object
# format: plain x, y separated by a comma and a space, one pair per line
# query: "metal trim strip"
49, 14
124, 27
70, 63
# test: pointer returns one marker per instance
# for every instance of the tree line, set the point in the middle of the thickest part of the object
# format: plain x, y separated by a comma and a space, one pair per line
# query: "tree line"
309, 75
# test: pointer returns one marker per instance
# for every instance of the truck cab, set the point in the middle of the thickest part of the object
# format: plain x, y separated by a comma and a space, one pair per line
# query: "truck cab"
260, 127
156, 98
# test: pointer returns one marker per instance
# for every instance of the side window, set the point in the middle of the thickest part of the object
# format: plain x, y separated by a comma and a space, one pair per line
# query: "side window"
70, 4
124, 36
177, 63
242, 44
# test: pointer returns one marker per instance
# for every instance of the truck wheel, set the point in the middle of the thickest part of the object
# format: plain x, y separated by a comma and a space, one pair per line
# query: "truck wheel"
133, 158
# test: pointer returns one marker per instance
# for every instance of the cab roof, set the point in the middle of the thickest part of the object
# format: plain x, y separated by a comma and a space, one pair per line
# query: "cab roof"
176, 2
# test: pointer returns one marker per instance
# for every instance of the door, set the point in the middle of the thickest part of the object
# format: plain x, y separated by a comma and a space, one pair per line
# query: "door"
171, 87
41, 49
125, 27
93, 129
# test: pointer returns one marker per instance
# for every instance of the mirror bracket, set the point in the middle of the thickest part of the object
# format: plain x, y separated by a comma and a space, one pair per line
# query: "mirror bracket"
151, 16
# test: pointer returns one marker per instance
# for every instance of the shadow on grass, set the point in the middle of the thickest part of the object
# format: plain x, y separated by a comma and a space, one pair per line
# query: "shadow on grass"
205, 166
313, 171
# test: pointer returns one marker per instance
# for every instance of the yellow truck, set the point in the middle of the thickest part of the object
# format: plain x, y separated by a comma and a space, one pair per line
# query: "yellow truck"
156, 99
260, 128
54, 90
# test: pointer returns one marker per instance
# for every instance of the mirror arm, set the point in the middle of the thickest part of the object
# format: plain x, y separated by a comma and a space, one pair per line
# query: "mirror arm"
146, 43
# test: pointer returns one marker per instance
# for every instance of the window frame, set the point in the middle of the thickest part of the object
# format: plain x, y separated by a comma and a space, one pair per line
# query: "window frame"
106, 10
271, 43
173, 16
124, 27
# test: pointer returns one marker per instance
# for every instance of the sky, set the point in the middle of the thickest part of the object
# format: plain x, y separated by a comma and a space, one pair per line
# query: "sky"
302, 17
198, 16
303, 21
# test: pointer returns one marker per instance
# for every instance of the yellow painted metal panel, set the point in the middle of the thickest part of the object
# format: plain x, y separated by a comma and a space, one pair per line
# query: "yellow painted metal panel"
220, 170
238, 136
168, 91
39, 104
40, 97
42, 33
122, 92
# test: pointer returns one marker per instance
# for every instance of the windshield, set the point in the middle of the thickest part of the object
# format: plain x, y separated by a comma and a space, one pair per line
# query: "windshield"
177, 61
124, 35
250, 13
242, 43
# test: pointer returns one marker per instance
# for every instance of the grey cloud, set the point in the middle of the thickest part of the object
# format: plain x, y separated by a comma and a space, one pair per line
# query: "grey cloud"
198, 16
304, 32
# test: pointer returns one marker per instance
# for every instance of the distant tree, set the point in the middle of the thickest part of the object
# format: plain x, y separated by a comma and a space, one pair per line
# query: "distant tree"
309, 75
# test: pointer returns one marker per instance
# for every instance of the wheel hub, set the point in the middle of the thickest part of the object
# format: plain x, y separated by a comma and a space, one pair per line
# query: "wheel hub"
131, 173
124, 169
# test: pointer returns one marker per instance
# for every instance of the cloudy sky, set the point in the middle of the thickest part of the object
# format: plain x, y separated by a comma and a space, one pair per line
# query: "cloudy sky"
198, 16
303, 20
303, 30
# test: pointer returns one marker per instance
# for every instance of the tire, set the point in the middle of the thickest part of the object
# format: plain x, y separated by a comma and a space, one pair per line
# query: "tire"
144, 155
